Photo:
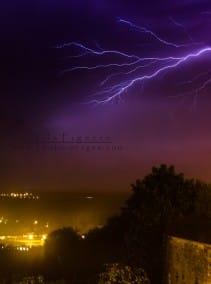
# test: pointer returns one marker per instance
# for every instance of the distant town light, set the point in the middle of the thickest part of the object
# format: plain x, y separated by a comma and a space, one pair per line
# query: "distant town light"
31, 236
89, 197
23, 195
44, 237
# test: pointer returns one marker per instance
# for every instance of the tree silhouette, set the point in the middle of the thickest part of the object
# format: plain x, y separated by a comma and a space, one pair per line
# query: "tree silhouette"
62, 253
160, 199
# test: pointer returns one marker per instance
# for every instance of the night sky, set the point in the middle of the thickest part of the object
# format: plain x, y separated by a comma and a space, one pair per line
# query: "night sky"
155, 116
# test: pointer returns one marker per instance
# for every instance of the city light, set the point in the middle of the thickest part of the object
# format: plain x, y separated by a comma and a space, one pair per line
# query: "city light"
25, 195
31, 236
3, 220
89, 197
44, 237
29, 240
23, 248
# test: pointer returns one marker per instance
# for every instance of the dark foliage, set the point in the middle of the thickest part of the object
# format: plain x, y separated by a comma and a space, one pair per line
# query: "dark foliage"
162, 199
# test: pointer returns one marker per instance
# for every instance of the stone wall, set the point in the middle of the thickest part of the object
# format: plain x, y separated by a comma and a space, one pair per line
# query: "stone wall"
188, 262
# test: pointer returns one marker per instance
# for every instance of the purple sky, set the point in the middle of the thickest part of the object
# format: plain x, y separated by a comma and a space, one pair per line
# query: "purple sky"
160, 121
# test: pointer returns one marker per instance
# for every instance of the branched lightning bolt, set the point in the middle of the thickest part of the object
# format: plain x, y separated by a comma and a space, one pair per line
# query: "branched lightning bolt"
126, 85
87, 50
178, 24
197, 77
153, 34
125, 70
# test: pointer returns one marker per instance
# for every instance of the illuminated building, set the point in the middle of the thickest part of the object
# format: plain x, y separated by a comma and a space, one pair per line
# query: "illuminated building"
189, 254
